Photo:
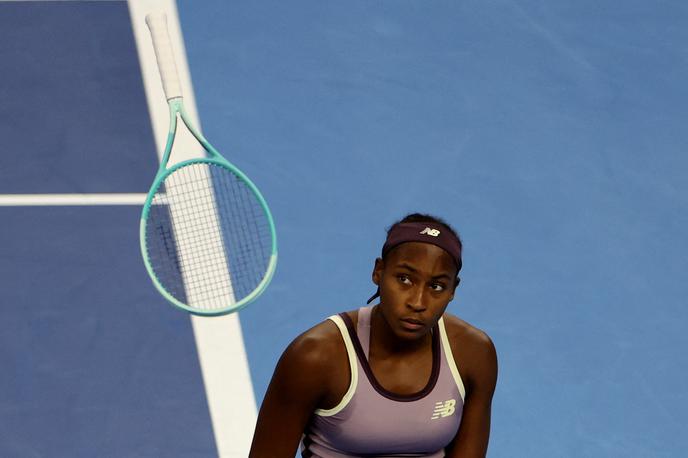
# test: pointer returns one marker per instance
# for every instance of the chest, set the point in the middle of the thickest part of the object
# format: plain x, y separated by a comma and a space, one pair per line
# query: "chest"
402, 375
412, 412
410, 405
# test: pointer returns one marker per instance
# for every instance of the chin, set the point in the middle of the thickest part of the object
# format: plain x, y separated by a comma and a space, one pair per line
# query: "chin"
407, 335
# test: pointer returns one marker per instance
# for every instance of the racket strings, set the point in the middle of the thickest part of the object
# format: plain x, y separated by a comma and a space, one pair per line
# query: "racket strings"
207, 249
208, 239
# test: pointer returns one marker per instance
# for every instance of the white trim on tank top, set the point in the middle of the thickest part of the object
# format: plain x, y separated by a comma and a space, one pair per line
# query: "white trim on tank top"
353, 365
449, 356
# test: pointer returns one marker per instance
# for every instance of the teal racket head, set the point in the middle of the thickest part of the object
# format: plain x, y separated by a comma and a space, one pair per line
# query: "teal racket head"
207, 237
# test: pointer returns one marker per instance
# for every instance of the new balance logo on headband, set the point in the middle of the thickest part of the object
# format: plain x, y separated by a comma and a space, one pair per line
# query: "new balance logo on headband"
430, 231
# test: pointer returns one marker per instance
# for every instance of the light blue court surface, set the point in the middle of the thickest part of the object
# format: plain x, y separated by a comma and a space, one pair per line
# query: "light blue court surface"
551, 134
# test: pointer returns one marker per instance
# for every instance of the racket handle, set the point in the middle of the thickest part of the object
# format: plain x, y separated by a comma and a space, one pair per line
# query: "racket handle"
157, 24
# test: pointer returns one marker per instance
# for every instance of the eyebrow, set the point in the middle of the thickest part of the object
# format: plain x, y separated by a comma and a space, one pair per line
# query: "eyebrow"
407, 266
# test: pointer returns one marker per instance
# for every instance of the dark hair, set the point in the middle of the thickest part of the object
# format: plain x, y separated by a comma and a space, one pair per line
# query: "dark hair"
424, 218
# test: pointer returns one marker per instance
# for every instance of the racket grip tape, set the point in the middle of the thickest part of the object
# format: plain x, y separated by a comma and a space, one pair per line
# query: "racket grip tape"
157, 24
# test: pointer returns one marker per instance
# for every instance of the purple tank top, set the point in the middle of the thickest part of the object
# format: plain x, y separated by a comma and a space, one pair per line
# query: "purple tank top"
373, 422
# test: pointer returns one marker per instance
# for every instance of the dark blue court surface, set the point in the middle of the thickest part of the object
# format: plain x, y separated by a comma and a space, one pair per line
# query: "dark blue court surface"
74, 109
550, 134
91, 365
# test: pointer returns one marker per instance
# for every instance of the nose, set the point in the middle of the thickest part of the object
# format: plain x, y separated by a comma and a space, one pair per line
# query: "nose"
415, 299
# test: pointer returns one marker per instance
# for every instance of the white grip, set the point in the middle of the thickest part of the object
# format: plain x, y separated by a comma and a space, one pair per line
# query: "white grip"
157, 24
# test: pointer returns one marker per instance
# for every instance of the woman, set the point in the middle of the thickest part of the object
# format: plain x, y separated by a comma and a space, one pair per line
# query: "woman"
400, 378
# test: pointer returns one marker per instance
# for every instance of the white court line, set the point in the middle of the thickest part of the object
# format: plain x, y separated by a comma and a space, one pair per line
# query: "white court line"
219, 340
23, 200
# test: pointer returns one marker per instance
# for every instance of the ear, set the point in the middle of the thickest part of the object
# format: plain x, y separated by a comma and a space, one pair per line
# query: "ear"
377, 271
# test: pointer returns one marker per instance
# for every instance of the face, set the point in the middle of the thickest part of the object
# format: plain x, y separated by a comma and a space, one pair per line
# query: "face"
417, 281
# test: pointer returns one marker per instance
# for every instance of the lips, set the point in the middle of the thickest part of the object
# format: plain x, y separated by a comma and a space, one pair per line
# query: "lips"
412, 324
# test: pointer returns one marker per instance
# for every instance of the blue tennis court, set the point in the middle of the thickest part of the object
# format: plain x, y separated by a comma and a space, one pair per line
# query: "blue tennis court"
551, 135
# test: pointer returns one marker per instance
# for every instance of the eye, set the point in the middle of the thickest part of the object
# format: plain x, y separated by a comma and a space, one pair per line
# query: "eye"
438, 287
404, 279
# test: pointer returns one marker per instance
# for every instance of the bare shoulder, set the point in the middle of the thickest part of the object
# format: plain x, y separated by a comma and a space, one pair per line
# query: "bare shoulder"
303, 380
314, 348
473, 350
315, 364
465, 333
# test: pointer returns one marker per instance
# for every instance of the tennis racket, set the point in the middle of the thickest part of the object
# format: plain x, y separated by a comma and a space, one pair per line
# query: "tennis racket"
207, 236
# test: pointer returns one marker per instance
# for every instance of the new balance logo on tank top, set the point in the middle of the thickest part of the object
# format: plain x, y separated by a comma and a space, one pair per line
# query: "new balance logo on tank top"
373, 422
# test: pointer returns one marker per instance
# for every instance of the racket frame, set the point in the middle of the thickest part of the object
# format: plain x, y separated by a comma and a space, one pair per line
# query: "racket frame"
176, 109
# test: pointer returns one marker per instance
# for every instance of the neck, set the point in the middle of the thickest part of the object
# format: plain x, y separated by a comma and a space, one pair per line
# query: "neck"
388, 343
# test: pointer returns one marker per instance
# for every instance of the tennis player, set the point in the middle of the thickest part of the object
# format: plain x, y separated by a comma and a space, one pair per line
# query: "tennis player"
398, 378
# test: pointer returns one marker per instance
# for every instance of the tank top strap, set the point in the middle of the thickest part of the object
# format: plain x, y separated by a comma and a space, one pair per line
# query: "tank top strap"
363, 328
449, 358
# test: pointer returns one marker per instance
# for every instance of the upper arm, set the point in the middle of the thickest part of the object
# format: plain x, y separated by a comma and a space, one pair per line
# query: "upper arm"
481, 373
297, 386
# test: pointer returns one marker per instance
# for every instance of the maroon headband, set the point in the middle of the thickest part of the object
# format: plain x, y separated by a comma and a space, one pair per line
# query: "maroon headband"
435, 234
